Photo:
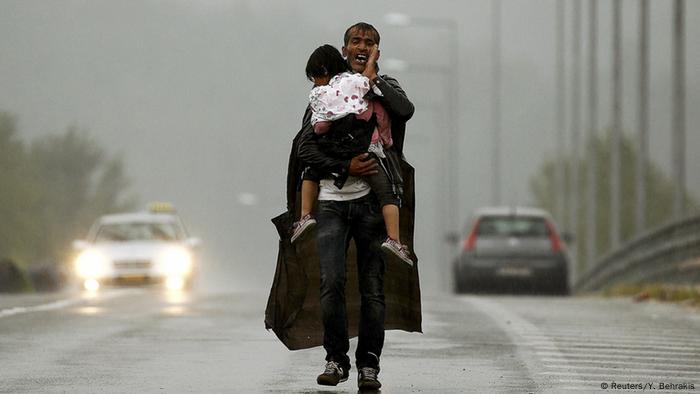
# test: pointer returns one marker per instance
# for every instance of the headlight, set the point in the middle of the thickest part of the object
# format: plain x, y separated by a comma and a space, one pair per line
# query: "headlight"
91, 264
175, 261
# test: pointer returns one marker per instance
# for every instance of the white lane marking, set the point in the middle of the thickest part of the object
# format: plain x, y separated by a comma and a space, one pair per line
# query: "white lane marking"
642, 340
626, 369
607, 342
612, 350
515, 326
602, 356
623, 376
60, 304
617, 345
597, 383
646, 333
594, 387
624, 360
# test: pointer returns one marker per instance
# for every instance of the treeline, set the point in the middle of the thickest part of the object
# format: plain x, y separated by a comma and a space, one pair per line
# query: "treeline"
51, 189
659, 195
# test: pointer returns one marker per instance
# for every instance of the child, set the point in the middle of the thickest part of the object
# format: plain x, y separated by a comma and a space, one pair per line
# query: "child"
338, 93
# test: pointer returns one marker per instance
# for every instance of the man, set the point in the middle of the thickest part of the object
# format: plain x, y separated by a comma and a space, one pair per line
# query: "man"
347, 210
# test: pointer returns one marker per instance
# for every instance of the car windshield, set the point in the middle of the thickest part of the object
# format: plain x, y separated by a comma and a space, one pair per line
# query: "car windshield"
121, 232
513, 226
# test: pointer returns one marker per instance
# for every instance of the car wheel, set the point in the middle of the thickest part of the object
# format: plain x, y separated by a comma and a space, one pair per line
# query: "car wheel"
459, 286
560, 285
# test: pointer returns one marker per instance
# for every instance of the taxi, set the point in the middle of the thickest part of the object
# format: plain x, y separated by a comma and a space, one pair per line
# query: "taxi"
151, 246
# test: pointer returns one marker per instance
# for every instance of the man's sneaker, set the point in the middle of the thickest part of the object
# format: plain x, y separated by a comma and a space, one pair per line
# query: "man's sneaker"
302, 226
333, 374
367, 379
401, 251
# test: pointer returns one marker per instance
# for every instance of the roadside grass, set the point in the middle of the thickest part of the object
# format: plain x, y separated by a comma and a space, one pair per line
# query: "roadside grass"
682, 294
14, 277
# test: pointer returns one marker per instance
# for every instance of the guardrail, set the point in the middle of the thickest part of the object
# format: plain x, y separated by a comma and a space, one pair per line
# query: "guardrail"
668, 254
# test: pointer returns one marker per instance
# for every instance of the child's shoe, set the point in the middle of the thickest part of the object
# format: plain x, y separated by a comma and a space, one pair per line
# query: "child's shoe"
302, 226
401, 251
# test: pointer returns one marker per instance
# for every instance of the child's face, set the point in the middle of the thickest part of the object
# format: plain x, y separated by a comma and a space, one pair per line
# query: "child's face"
323, 80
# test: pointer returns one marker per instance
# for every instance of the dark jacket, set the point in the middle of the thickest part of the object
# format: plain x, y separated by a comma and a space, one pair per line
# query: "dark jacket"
354, 134
293, 308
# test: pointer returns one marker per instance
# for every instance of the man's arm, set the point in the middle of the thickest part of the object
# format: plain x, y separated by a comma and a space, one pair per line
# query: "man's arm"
310, 153
394, 98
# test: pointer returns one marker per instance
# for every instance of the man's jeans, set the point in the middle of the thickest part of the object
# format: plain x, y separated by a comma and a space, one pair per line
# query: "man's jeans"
338, 222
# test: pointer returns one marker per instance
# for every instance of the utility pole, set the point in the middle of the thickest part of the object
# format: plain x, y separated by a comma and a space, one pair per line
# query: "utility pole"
615, 162
678, 119
592, 221
496, 101
643, 117
451, 203
575, 126
560, 110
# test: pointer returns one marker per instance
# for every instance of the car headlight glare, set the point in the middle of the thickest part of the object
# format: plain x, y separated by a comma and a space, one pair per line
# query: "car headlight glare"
91, 264
176, 261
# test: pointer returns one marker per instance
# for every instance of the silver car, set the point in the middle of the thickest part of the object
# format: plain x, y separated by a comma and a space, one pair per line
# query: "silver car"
512, 247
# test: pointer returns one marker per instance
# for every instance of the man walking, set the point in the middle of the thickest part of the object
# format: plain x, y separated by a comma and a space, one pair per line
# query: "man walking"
348, 210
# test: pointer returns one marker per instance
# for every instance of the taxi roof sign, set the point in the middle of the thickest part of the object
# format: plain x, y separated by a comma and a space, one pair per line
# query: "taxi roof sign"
161, 207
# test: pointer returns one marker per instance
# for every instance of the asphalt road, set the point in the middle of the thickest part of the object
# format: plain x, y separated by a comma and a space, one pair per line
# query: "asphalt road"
138, 340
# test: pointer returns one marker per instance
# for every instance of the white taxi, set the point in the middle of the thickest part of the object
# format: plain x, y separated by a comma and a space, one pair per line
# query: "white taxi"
142, 247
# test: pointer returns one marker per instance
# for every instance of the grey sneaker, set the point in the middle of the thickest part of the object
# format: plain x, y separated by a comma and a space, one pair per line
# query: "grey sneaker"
401, 251
301, 227
333, 374
367, 379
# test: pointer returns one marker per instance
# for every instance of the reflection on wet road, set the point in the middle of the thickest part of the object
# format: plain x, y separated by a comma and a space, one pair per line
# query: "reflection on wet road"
150, 340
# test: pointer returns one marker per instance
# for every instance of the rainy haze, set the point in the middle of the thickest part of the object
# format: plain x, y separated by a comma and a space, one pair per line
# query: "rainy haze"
201, 100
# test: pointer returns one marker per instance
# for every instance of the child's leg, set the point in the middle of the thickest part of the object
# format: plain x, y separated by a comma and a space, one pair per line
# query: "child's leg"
386, 194
309, 194
381, 186
391, 221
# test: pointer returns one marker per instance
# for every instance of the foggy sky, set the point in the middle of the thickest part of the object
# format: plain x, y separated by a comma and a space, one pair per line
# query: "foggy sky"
202, 99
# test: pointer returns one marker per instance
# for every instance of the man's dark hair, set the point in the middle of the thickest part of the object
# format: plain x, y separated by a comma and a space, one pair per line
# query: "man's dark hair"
362, 27
326, 60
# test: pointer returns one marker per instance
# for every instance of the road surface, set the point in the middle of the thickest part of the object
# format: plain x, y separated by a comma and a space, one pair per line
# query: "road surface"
135, 340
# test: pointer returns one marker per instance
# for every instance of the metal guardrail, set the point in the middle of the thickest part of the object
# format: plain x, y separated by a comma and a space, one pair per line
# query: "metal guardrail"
668, 254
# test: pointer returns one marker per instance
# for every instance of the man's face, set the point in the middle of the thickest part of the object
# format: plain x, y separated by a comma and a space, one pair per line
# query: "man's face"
358, 47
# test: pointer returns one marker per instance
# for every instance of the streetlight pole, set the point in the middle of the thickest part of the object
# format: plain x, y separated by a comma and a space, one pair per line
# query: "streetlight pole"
441, 208
643, 117
615, 162
560, 170
575, 127
592, 222
678, 119
450, 211
496, 101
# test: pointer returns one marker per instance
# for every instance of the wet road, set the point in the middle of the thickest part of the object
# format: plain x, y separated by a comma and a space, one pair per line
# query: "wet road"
146, 340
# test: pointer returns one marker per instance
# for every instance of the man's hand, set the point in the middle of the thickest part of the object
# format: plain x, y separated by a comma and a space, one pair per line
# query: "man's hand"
371, 67
362, 165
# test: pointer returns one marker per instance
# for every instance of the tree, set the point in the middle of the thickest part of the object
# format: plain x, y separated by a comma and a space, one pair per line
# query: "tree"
19, 192
52, 190
659, 194
79, 183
